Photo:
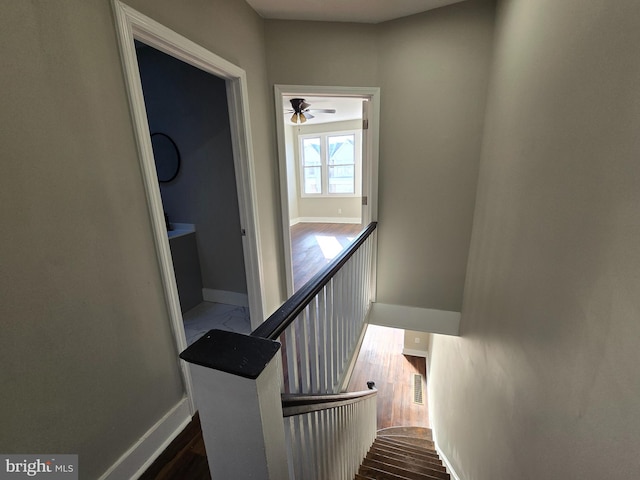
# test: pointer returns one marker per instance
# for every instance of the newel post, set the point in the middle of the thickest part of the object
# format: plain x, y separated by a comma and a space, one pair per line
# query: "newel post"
236, 382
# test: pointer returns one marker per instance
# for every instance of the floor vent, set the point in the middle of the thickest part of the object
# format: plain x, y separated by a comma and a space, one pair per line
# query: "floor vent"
417, 388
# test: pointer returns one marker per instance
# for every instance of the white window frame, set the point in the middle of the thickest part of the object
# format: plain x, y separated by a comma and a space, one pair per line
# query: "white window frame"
325, 166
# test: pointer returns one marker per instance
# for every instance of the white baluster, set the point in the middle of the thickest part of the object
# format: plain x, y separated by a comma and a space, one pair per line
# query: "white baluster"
292, 360
322, 340
314, 340
303, 343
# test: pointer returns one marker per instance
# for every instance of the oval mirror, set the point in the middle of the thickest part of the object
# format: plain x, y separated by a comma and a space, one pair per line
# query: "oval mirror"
166, 155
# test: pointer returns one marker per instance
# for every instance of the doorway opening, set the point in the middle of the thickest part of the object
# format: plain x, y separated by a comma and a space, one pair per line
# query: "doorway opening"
327, 145
189, 126
131, 26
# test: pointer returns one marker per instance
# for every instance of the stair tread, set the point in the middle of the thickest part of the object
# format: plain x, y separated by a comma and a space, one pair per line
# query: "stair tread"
409, 464
378, 471
403, 443
372, 473
419, 442
430, 462
403, 453
417, 432
400, 471
406, 447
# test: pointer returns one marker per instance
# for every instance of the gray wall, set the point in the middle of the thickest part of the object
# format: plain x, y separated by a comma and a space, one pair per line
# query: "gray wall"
433, 70
191, 107
88, 361
321, 53
544, 382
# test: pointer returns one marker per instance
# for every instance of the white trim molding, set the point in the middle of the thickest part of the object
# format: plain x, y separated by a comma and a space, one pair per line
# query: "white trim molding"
370, 142
443, 457
228, 298
295, 221
414, 318
132, 25
135, 461
414, 353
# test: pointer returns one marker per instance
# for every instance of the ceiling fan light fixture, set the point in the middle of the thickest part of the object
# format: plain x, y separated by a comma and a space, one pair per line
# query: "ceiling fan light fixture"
302, 110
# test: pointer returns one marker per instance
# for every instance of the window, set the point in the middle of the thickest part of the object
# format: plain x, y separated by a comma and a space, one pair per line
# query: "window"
329, 163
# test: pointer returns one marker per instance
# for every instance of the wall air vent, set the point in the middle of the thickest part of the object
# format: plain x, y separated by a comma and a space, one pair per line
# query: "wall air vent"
417, 388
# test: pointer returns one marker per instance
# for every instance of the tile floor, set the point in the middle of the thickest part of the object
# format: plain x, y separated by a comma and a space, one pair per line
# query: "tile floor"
206, 316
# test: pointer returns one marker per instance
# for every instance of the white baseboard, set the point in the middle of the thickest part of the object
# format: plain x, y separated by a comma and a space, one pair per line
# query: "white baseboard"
414, 353
228, 298
454, 475
294, 221
141, 455
416, 319
434, 433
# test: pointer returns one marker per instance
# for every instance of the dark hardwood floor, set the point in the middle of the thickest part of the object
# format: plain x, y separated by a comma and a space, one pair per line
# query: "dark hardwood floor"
184, 458
382, 361
313, 243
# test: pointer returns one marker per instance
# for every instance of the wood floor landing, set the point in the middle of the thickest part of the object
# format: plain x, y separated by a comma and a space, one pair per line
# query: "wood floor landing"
382, 361
308, 256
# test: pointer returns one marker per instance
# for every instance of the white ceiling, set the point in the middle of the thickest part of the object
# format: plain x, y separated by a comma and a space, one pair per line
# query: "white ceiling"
361, 11
346, 108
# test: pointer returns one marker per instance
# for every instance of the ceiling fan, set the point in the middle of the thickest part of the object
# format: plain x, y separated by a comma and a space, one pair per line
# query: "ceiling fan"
302, 112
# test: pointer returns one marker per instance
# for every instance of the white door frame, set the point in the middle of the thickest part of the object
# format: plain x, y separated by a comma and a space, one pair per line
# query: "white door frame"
369, 148
131, 25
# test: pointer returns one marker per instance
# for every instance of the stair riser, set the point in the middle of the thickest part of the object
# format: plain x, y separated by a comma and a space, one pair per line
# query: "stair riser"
386, 450
403, 453
410, 467
399, 459
408, 448
415, 432
374, 474
401, 472
416, 442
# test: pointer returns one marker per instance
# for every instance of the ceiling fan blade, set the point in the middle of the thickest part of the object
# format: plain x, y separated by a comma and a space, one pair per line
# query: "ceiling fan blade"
308, 115
323, 110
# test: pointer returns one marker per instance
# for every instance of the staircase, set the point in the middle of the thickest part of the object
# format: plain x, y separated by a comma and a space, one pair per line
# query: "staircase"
402, 453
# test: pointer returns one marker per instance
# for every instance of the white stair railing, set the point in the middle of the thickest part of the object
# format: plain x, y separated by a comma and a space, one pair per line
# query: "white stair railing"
238, 378
328, 440
319, 326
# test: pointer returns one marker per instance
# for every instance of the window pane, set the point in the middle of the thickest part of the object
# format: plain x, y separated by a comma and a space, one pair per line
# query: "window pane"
311, 151
312, 180
342, 150
342, 179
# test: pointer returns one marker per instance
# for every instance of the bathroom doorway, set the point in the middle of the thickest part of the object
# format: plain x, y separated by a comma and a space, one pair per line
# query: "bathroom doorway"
132, 25
189, 125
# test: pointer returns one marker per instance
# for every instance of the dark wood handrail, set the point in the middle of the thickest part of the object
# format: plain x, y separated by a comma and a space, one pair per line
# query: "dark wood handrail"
277, 323
301, 404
